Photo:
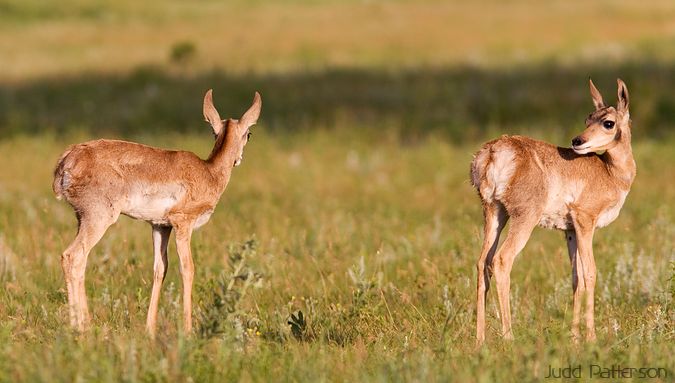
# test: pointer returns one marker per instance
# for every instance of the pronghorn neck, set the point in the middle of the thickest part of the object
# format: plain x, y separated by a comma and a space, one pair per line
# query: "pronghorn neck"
619, 160
224, 154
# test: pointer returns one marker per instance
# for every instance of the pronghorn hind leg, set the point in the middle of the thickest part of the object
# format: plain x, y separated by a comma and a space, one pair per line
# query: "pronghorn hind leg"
66, 266
74, 264
495, 220
519, 232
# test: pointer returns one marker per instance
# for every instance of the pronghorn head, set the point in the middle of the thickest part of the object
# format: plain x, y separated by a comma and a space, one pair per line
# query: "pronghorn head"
237, 132
606, 125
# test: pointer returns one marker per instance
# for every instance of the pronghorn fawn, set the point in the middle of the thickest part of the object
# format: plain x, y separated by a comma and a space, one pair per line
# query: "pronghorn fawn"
576, 190
168, 189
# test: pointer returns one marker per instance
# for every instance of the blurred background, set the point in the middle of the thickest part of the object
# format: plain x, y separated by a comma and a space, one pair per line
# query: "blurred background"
352, 205
454, 68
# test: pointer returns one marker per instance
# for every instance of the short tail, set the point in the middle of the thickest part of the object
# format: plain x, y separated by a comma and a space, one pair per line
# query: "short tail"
61, 177
479, 165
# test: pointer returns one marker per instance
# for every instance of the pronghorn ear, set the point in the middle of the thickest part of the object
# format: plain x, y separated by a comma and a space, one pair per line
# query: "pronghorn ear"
211, 114
622, 92
597, 97
250, 118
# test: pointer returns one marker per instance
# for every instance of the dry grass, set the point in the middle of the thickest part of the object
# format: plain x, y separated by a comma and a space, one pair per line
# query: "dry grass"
354, 186
267, 36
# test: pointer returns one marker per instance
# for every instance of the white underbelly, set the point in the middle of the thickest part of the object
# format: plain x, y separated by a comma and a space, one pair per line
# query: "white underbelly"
557, 213
556, 219
154, 211
152, 204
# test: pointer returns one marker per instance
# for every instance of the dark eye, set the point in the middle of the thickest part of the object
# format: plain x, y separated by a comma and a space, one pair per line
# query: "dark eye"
248, 136
608, 124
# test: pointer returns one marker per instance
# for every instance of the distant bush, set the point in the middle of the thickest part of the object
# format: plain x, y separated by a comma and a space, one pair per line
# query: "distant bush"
182, 52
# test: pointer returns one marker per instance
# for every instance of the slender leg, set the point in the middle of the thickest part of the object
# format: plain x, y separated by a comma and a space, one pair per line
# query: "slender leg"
590, 277
74, 264
578, 289
495, 219
183, 236
519, 233
66, 266
160, 242
585, 227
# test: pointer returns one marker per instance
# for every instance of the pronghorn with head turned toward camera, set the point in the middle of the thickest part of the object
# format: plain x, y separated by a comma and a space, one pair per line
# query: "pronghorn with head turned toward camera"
532, 183
169, 189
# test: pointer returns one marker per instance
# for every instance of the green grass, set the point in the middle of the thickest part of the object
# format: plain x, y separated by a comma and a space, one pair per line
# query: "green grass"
375, 242
353, 204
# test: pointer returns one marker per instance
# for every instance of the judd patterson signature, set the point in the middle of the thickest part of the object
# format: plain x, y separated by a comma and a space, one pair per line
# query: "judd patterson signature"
596, 371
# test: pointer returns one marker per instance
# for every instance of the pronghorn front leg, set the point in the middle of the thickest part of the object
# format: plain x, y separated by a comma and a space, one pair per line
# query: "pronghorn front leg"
187, 270
575, 260
585, 226
160, 242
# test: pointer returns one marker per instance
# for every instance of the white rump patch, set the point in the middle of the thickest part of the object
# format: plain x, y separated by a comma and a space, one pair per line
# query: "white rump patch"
500, 169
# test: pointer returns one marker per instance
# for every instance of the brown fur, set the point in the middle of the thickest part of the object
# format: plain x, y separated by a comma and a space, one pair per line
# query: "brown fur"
534, 183
169, 189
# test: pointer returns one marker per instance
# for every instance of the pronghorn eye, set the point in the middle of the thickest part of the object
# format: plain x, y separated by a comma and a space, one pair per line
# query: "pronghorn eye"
248, 136
608, 124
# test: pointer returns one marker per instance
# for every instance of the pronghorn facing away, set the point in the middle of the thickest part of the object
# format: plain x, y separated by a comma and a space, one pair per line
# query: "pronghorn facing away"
535, 183
169, 189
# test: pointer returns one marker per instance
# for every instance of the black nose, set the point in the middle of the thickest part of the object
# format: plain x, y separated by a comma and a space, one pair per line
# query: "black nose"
577, 141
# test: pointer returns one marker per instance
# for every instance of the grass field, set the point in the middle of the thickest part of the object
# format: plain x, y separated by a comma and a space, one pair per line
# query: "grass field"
352, 205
